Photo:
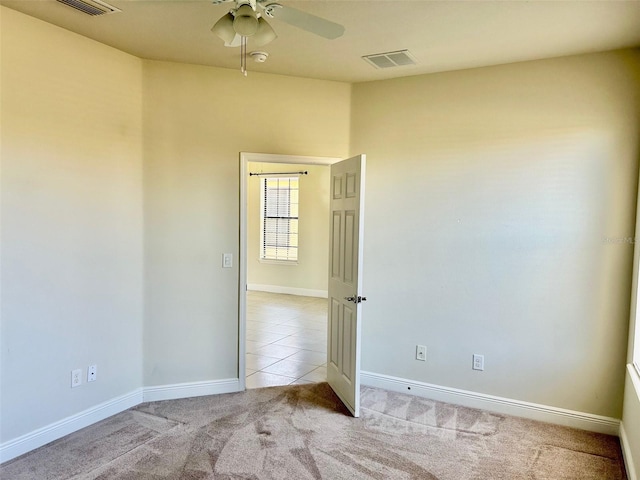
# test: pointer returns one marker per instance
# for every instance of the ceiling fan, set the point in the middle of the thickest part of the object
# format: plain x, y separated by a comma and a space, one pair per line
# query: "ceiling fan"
247, 20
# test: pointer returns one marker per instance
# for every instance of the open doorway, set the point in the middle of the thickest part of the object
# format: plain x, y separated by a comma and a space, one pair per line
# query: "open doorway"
283, 304
286, 340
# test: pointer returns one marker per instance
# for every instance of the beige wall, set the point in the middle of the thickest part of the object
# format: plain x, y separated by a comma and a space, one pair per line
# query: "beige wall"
510, 179
311, 271
71, 216
197, 120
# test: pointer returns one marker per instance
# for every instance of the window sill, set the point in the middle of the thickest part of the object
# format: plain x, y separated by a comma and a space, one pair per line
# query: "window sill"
292, 263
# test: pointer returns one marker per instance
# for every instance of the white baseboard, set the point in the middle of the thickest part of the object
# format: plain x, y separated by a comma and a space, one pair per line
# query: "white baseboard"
627, 454
506, 406
42, 436
192, 389
304, 292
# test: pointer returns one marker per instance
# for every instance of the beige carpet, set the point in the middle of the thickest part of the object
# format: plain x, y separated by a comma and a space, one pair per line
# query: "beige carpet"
303, 432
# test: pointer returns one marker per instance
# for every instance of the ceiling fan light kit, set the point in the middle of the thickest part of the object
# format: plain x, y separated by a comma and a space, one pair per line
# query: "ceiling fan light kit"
265, 33
244, 21
224, 28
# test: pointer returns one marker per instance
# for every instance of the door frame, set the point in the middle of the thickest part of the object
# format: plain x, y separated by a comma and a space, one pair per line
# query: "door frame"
245, 158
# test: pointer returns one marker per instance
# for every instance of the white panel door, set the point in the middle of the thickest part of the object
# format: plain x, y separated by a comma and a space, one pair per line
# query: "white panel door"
345, 280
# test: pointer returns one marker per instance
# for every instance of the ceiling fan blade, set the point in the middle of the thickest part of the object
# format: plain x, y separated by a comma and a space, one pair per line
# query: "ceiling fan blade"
304, 20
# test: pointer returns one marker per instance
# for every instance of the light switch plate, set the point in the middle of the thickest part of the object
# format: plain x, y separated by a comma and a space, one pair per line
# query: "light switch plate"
227, 260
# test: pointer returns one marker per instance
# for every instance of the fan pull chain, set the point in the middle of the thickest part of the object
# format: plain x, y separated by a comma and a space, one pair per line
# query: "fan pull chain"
243, 56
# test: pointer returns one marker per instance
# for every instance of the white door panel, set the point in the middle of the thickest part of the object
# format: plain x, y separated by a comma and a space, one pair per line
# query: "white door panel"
345, 280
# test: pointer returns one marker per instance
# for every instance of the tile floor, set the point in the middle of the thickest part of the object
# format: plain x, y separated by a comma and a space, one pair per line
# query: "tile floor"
286, 339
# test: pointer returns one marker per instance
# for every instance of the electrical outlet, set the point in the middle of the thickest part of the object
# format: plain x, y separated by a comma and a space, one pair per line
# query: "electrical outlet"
478, 362
76, 378
92, 372
421, 353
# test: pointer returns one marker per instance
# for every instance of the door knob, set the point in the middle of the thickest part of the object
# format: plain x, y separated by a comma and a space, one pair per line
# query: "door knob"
356, 300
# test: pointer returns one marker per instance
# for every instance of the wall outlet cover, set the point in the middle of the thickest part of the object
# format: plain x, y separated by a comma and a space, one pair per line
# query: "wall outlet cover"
478, 362
76, 378
92, 373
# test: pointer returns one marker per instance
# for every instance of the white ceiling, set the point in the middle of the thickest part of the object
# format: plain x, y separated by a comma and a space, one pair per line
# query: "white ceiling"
441, 35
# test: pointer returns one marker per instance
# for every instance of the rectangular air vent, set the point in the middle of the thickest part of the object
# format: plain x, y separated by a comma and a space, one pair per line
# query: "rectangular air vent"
90, 7
390, 59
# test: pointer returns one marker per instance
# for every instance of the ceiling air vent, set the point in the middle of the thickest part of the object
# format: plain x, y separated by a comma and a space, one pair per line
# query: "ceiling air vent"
390, 59
90, 7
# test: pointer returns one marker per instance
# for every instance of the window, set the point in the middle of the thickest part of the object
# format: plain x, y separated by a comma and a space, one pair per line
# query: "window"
279, 219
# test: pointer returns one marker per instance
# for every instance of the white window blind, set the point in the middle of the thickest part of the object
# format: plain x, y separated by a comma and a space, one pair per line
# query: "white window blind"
279, 219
